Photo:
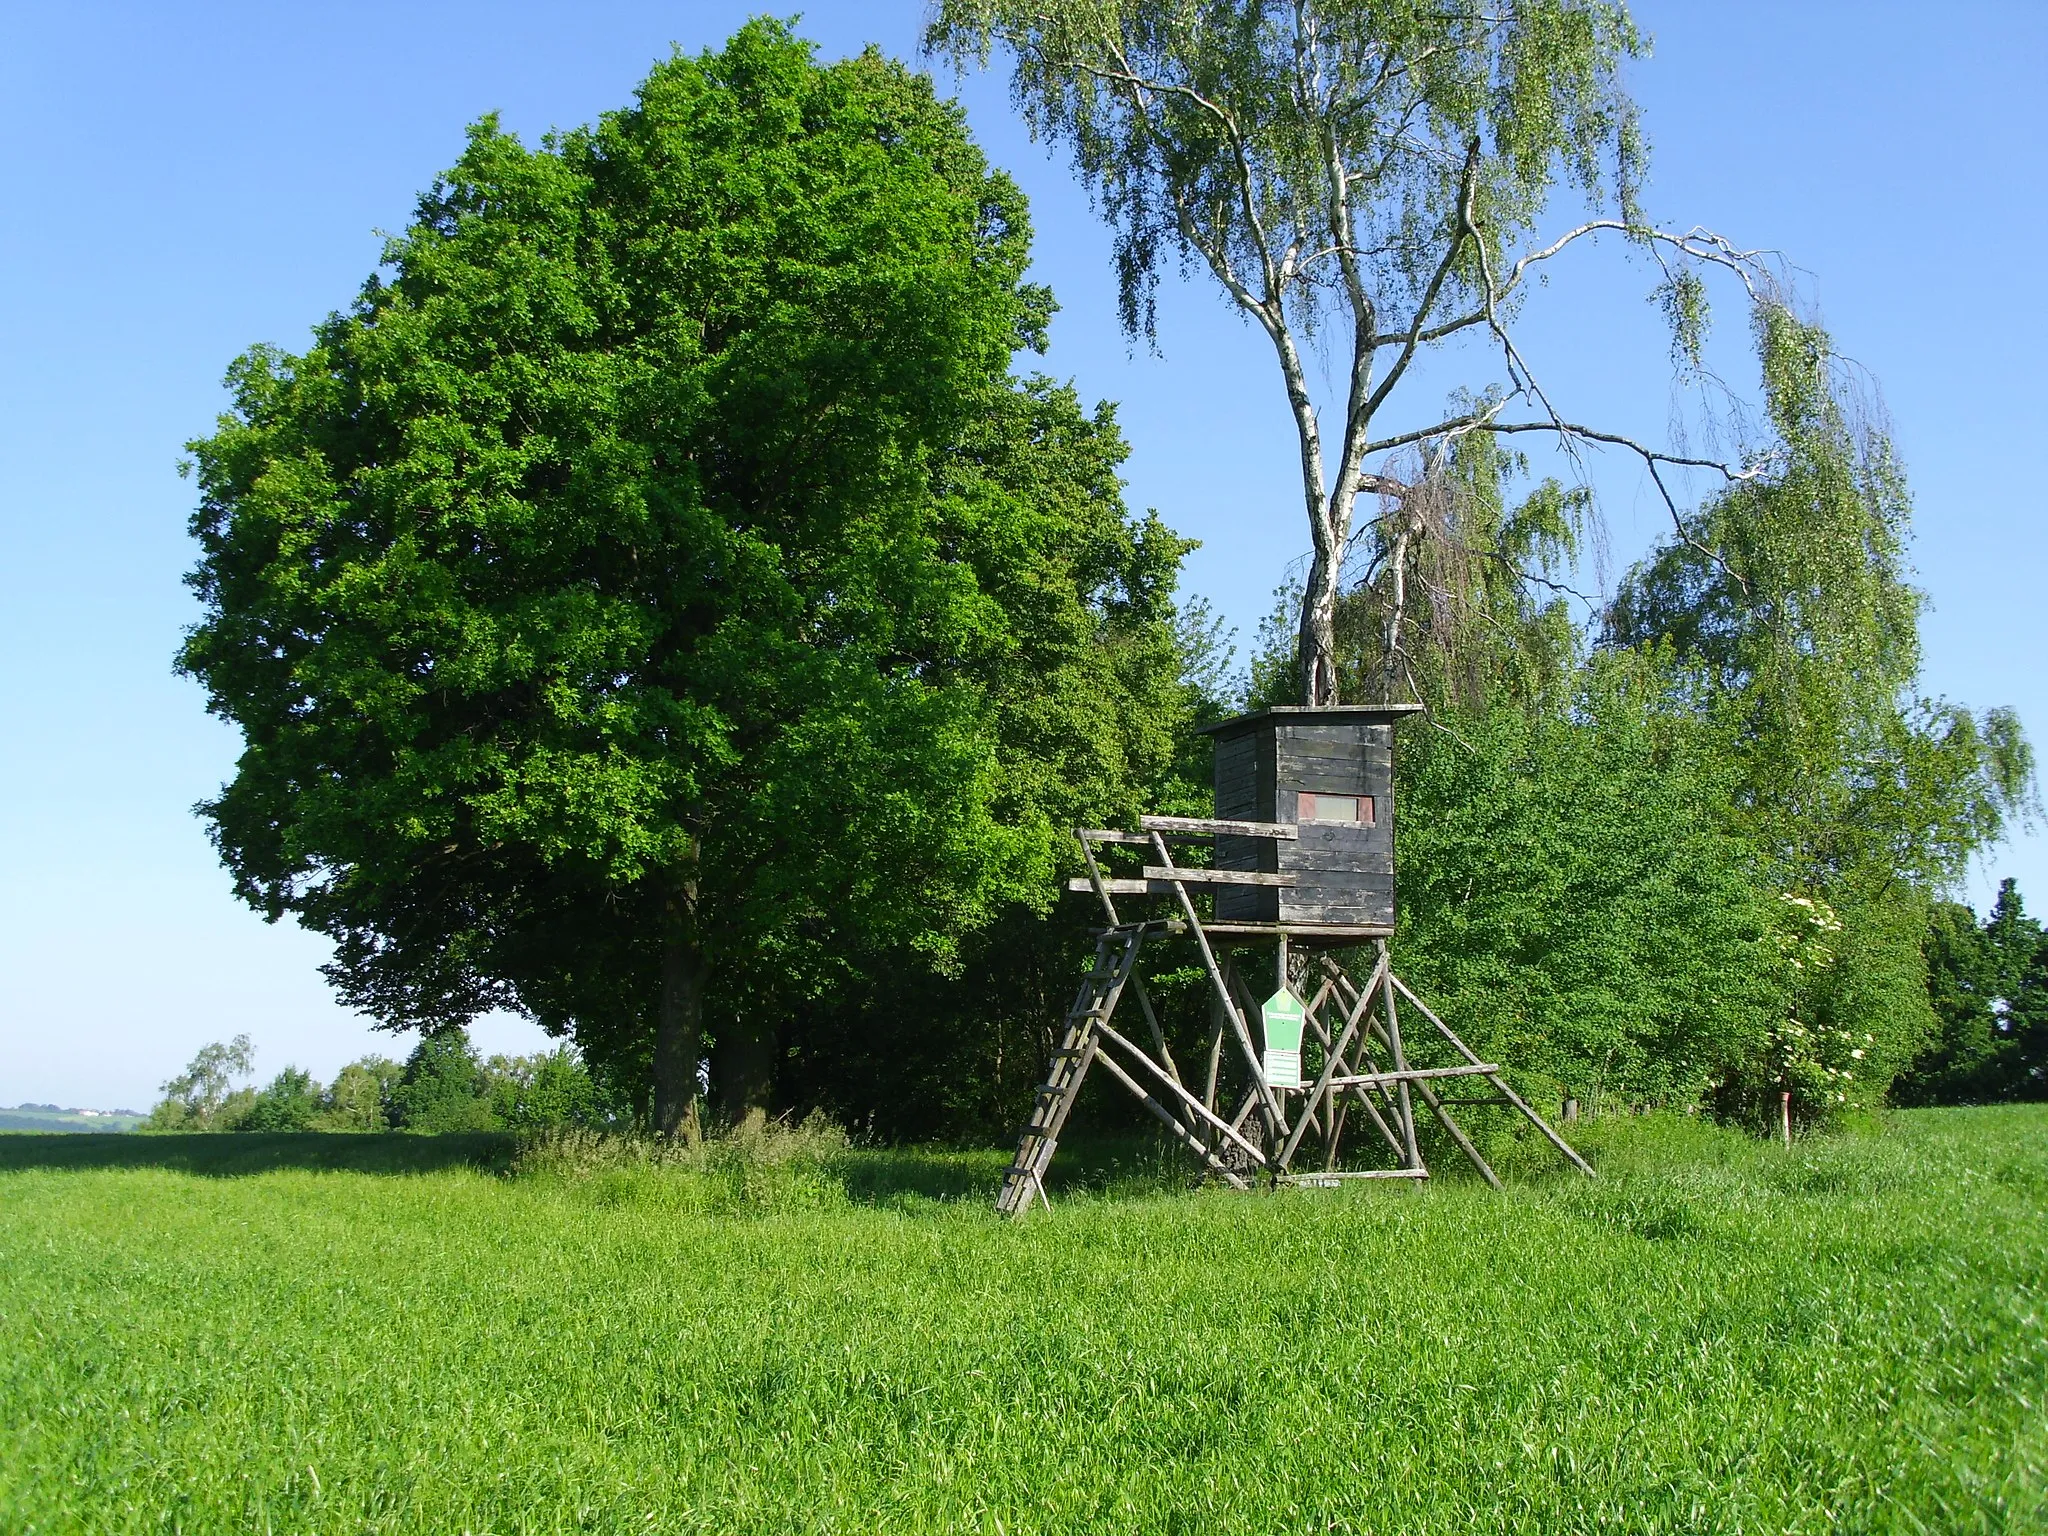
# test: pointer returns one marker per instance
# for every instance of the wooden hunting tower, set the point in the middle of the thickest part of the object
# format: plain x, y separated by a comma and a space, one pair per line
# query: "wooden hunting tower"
1329, 772
1302, 858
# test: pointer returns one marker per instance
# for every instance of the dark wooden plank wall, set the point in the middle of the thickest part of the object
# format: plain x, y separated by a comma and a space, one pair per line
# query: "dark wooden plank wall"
1244, 792
1343, 874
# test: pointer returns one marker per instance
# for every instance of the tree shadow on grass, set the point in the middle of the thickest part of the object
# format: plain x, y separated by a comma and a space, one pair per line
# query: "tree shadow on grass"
1091, 1163
233, 1154
1088, 1164
889, 1175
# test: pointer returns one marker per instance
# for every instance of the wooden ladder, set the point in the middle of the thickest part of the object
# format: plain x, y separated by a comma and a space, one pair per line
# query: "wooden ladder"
1116, 956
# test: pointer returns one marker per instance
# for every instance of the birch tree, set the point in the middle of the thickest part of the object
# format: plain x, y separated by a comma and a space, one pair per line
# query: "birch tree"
1364, 176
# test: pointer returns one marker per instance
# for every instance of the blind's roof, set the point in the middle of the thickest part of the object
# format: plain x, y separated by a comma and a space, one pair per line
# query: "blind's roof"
1303, 714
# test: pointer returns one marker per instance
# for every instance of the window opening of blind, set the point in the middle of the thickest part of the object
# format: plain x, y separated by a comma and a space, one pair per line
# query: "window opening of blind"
1356, 809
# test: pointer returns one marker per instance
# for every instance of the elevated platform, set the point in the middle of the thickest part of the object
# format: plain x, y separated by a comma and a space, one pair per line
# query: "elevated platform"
1307, 935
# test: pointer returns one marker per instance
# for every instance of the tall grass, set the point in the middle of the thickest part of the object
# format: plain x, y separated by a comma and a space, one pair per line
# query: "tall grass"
1717, 1335
754, 1167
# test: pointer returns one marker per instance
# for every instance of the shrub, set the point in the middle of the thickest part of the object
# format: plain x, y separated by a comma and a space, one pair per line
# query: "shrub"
758, 1166
441, 1087
291, 1102
550, 1091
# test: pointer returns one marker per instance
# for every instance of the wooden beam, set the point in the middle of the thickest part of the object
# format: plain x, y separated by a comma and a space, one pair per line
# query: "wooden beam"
1158, 1034
1095, 879
1464, 1142
1372, 1031
1240, 1025
1215, 876
1333, 1055
1392, 1021
1498, 1081
1204, 826
1185, 1097
1301, 932
1415, 1074
1099, 835
1440, 1105
1366, 1173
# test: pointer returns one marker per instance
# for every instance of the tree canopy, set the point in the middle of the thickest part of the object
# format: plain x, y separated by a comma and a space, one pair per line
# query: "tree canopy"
654, 594
655, 605
1691, 853
1366, 177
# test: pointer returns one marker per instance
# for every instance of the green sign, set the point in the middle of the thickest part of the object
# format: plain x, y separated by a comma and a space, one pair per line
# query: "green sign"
1282, 1015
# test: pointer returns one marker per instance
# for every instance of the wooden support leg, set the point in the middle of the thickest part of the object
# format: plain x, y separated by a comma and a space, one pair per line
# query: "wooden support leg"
1330, 1108
1152, 1024
1275, 1121
1429, 1097
1167, 1118
1499, 1083
1393, 1026
1173, 1089
1333, 1054
1217, 1005
1464, 1142
1361, 1011
1215, 1061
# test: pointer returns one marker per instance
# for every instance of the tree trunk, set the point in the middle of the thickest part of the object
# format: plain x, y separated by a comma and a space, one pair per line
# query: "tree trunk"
743, 1067
1318, 642
679, 1023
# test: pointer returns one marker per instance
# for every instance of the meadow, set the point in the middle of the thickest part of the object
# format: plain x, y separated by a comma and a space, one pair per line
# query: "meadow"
415, 1334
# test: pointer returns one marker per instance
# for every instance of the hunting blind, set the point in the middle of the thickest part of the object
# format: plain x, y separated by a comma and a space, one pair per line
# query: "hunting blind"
1302, 859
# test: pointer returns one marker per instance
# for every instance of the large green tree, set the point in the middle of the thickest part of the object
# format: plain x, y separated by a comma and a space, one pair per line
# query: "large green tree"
624, 602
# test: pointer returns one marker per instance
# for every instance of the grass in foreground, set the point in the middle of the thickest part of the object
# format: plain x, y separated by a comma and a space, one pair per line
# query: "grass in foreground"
1716, 1336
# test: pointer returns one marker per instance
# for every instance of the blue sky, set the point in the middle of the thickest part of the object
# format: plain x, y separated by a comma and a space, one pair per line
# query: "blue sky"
184, 181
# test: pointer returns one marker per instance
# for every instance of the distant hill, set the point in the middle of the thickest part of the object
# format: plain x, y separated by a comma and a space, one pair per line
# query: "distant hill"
49, 1117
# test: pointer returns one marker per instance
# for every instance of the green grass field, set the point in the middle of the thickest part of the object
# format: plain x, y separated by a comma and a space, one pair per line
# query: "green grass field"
358, 1334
